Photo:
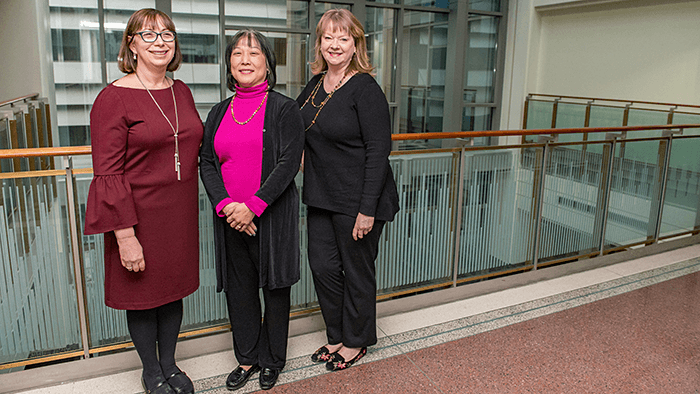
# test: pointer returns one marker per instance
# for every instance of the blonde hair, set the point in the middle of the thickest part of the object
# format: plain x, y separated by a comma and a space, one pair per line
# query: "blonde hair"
142, 19
342, 19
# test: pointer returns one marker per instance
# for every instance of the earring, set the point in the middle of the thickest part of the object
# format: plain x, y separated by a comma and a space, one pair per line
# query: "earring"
134, 56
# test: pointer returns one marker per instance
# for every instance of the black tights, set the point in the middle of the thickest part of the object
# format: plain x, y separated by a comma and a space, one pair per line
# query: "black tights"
151, 328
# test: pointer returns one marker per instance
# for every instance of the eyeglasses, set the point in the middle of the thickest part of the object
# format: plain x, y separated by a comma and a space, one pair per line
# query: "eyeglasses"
151, 36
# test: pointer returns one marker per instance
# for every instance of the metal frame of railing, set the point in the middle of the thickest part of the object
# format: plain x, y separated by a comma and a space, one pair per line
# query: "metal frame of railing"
547, 139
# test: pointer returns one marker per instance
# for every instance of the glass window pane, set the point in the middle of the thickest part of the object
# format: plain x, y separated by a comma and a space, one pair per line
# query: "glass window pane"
384, 1
321, 8
485, 5
77, 69
197, 24
429, 3
480, 59
268, 13
423, 72
476, 118
380, 29
290, 53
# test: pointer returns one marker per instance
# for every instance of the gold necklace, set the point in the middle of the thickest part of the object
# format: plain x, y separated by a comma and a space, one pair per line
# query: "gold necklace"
251, 116
176, 129
312, 97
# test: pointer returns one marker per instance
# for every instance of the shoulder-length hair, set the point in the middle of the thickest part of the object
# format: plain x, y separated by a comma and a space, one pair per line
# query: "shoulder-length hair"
145, 18
270, 60
343, 20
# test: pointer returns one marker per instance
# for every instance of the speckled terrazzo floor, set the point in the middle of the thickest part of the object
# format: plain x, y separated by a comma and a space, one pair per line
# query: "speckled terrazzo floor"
636, 334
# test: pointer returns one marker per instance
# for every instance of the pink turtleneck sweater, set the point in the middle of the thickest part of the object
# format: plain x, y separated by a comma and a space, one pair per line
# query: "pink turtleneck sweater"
239, 148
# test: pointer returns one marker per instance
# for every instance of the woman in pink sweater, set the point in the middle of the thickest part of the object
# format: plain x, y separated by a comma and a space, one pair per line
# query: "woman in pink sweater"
249, 157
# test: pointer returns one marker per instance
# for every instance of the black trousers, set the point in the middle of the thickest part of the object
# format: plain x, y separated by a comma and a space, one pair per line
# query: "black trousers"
255, 340
344, 276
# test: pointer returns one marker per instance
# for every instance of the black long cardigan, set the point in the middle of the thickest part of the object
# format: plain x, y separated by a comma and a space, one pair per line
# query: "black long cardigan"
283, 143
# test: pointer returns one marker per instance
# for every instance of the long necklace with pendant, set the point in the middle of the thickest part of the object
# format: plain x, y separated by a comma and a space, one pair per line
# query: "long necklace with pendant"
175, 129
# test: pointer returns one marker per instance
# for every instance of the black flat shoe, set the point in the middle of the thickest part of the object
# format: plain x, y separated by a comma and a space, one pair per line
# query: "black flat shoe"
181, 383
321, 355
239, 377
161, 388
338, 363
268, 378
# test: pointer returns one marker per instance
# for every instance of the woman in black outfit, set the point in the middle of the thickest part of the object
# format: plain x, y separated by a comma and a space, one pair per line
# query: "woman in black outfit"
249, 157
348, 185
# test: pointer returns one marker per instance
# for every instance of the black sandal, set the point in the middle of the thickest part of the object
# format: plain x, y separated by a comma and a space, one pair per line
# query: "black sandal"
321, 355
338, 363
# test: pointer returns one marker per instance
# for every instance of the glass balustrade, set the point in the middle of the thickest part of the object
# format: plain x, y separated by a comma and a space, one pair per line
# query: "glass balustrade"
467, 213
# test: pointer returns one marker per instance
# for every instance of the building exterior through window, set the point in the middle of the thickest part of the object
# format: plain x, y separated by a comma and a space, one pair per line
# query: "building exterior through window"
439, 62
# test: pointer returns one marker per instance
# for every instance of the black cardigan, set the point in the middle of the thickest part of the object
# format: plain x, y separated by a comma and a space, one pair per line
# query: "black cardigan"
346, 159
283, 142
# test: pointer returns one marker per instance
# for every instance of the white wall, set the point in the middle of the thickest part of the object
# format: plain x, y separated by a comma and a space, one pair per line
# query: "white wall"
633, 50
24, 46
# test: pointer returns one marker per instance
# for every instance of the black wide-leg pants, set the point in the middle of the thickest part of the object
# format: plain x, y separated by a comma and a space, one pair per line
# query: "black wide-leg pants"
344, 276
254, 342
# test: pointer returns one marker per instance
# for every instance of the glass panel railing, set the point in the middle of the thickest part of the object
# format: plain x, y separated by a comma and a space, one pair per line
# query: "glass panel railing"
38, 298
473, 212
570, 200
681, 201
568, 116
635, 188
685, 118
497, 210
539, 115
646, 117
416, 248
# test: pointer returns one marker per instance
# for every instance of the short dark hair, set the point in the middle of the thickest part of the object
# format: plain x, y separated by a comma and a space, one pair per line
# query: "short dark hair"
266, 48
140, 19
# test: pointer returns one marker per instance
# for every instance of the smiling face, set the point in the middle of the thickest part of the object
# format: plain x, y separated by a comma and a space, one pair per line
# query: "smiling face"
156, 55
248, 65
337, 47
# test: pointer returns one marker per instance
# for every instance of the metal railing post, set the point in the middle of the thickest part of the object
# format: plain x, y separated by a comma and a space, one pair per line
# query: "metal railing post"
458, 222
77, 260
604, 200
539, 203
664, 182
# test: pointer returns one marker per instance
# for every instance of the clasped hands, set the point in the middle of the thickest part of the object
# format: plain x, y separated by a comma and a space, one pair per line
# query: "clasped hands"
240, 217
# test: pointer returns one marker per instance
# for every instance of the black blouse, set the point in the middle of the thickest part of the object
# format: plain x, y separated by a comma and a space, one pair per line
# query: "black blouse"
346, 153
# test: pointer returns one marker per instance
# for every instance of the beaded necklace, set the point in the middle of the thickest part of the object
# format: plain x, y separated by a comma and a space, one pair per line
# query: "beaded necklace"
312, 96
176, 129
251, 116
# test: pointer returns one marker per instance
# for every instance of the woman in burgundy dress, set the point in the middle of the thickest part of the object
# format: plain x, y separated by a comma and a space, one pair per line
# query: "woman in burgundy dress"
250, 154
146, 134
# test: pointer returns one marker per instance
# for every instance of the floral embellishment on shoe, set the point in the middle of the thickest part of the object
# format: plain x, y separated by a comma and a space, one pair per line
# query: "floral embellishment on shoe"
321, 355
338, 363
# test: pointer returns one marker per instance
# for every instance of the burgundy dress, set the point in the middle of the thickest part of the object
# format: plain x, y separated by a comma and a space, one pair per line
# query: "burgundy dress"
135, 184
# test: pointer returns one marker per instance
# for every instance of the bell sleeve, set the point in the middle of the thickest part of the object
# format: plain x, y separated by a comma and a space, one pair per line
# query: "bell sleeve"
110, 204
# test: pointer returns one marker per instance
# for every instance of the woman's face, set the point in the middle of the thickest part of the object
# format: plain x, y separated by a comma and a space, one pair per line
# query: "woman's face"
157, 54
337, 47
248, 65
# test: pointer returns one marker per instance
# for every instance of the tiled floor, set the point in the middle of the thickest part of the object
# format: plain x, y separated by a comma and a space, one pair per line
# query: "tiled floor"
632, 327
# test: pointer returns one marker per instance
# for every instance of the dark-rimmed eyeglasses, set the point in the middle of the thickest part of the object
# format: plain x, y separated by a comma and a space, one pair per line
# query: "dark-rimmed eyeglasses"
151, 36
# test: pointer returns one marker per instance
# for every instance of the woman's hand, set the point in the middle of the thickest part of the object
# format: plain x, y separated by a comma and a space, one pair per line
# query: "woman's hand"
301, 166
130, 250
240, 218
363, 225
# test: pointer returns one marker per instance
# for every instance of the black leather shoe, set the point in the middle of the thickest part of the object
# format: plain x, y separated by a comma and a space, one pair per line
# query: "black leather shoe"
239, 377
268, 378
181, 383
162, 387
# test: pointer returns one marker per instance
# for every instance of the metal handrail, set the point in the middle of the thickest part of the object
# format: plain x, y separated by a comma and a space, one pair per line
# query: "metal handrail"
86, 149
617, 100
18, 99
